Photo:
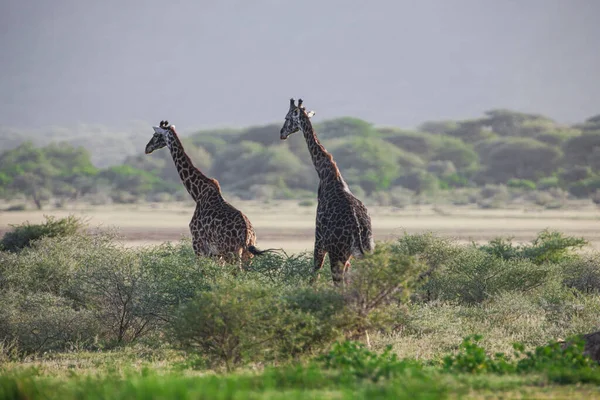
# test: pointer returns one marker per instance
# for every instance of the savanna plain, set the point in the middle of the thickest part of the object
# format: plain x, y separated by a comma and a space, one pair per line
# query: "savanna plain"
456, 302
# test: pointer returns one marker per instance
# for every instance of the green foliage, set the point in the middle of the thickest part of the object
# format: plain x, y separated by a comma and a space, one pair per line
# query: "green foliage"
511, 123
235, 323
521, 158
129, 293
563, 363
579, 150
502, 146
585, 187
59, 170
473, 359
548, 183
556, 137
380, 283
345, 127
521, 184
39, 322
419, 181
354, 359
582, 273
548, 247
23, 235
133, 180
474, 274
375, 162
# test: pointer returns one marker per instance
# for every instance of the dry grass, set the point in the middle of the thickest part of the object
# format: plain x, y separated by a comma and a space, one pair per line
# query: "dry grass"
287, 225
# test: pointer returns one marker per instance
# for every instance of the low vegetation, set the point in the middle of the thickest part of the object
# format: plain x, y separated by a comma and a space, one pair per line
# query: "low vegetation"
82, 316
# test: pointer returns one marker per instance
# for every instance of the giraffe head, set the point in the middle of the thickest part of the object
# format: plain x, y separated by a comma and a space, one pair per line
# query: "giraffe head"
292, 119
159, 139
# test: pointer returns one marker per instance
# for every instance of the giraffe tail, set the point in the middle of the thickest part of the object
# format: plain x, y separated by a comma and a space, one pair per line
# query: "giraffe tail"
255, 251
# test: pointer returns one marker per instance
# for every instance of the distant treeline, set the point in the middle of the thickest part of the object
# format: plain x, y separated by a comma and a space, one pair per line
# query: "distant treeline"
503, 147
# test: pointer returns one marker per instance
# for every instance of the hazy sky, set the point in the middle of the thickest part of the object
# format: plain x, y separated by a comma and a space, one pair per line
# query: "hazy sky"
206, 63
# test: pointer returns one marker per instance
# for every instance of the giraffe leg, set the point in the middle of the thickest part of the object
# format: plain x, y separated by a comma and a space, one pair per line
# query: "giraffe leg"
337, 264
319, 259
197, 248
240, 259
346, 268
246, 259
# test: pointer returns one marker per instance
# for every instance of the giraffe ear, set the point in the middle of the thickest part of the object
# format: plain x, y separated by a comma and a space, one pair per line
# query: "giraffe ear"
310, 114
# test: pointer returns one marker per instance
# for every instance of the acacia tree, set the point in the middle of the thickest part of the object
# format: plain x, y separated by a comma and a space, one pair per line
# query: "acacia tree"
39, 173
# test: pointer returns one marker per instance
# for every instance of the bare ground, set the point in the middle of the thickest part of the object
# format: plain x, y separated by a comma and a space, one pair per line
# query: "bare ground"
286, 225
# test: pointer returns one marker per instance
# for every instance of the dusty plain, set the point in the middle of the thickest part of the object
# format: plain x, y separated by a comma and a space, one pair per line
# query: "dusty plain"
288, 225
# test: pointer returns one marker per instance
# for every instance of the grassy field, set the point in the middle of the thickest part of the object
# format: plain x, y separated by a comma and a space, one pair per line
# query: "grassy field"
65, 302
285, 224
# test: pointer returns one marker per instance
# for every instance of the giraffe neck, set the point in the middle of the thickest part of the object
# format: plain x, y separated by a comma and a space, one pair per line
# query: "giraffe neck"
196, 183
323, 161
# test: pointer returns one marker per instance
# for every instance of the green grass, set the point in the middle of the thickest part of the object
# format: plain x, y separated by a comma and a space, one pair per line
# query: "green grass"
299, 382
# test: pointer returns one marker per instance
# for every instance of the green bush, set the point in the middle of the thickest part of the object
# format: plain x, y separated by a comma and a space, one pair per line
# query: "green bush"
39, 322
240, 322
582, 273
521, 184
548, 246
277, 270
473, 276
131, 293
23, 235
585, 187
548, 183
380, 283
563, 363
354, 359
473, 359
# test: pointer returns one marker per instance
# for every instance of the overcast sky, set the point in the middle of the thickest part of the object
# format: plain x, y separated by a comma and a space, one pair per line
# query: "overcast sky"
208, 63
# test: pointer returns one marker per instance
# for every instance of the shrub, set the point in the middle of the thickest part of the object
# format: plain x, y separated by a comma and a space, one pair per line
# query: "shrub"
555, 356
23, 235
548, 246
135, 293
582, 273
585, 187
473, 276
379, 284
38, 322
276, 270
231, 324
129, 292
352, 358
472, 358
521, 184
548, 182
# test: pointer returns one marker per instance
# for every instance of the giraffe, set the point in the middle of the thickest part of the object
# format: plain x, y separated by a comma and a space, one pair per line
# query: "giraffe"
343, 224
218, 229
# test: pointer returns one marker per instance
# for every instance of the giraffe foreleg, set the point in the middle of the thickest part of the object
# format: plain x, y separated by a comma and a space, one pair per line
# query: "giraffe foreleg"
319, 259
337, 268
